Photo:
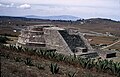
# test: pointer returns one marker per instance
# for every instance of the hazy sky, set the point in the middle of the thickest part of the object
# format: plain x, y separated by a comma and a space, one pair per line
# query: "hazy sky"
80, 8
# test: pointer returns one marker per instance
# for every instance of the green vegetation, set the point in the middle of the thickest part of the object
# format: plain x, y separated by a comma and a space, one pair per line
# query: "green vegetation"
28, 61
19, 48
54, 68
87, 63
40, 66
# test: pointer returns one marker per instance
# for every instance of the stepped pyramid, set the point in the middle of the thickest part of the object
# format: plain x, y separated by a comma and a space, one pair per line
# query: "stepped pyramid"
51, 37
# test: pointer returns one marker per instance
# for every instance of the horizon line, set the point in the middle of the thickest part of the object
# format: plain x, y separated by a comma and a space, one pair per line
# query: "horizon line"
63, 15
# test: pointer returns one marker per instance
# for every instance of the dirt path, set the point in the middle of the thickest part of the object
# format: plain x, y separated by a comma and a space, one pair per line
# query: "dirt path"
111, 44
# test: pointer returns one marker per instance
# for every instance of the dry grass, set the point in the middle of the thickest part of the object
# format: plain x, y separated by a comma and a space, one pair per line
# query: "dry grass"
116, 46
101, 39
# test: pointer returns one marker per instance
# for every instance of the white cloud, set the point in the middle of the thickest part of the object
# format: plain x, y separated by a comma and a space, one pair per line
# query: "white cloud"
7, 5
65, 2
82, 8
25, 6
11, 5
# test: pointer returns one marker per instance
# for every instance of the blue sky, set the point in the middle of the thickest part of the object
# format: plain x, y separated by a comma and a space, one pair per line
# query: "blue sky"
81, 8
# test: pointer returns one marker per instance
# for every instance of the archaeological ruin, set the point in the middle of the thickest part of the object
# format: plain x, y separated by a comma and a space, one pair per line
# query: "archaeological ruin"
107, 54
65, 41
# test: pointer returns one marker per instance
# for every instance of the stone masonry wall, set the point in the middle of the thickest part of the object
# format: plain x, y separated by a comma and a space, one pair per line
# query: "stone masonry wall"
55, 41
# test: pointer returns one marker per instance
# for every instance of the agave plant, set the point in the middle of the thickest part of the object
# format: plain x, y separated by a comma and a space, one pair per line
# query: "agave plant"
60, 57
28, 61
51, 55
20, 48
100, 65
40, 66
26, 49
33, 51
11, 47
54, 68
43, 52
115, 68
90, 63
83, 62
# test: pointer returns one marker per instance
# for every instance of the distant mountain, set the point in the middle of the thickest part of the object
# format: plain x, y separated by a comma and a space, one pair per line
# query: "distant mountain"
98, 21
60, 17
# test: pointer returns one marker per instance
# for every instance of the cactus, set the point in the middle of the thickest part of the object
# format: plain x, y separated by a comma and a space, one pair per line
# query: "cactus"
54, 68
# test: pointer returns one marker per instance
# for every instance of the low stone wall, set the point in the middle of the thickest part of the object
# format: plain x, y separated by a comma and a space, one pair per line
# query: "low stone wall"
86, 43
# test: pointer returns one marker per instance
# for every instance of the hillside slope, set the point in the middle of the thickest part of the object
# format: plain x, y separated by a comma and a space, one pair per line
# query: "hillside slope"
16, 63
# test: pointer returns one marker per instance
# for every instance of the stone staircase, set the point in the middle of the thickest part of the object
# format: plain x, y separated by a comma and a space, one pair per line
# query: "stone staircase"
73, 41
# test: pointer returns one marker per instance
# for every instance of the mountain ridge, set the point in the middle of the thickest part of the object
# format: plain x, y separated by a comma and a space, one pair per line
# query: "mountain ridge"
59, 17
77, 18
